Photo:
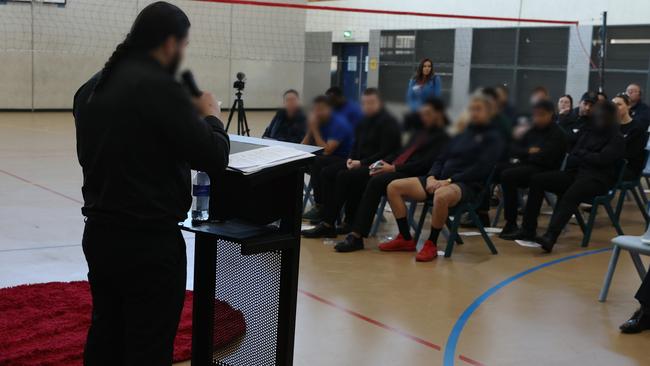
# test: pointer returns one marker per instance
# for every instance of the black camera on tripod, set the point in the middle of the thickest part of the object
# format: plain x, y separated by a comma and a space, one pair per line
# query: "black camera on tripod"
241, 81
238, 106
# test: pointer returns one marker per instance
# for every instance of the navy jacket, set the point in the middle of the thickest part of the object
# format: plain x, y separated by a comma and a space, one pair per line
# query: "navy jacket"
641, 113
470, 156
283, 128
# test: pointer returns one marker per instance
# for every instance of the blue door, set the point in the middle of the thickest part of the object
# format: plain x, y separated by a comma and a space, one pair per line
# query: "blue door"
355, 69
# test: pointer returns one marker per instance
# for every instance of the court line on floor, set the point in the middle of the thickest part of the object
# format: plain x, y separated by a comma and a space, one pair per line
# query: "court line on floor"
452, 340
25, 180
387, 327
304, 292
37, 248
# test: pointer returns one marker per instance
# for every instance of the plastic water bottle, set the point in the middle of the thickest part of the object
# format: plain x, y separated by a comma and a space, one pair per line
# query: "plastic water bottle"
200, 196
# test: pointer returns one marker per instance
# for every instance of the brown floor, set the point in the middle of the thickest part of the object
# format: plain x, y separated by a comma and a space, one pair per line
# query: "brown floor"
363, 308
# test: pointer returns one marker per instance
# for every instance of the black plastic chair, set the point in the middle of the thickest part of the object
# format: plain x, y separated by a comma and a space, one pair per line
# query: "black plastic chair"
456, 212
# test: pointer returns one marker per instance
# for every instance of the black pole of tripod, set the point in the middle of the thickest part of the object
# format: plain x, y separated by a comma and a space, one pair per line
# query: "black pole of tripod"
242, 122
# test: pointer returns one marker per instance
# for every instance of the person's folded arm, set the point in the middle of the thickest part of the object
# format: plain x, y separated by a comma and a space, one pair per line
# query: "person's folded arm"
202, 142
552, 152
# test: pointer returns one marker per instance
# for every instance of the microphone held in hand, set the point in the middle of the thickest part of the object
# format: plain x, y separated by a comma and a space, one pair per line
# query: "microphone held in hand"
188, 81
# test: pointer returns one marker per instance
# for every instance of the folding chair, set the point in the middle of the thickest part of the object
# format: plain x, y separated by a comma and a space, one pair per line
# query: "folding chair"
635, 245
636, 189
605, 201
456, 212
307, 196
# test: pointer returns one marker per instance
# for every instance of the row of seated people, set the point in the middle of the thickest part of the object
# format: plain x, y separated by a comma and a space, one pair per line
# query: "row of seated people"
449, 170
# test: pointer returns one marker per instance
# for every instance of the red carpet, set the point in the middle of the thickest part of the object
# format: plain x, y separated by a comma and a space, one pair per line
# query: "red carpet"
46, 324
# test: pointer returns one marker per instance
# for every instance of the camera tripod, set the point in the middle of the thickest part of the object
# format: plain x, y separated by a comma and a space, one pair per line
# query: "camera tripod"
242, 122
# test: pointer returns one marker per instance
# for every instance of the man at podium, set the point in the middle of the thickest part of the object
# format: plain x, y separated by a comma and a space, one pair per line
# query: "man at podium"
138, 135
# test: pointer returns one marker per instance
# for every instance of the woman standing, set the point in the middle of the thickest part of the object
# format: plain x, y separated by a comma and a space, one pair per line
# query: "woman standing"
423, 86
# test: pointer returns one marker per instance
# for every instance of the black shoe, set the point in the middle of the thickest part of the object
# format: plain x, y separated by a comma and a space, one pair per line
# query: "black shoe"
350, 244
547, 241
343, 229
510, 229
314, 214
639, 322
520, 234
320, 231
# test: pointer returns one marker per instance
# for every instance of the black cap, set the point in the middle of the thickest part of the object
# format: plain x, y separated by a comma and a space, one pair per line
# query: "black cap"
590, 97
545, 105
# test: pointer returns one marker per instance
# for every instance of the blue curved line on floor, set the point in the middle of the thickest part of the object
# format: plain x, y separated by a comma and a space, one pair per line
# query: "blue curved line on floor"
452, 340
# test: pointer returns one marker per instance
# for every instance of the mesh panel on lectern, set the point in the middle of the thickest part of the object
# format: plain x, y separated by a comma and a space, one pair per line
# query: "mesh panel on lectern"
251, 284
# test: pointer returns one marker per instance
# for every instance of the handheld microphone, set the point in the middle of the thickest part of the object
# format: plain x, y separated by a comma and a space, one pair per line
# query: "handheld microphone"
189, 82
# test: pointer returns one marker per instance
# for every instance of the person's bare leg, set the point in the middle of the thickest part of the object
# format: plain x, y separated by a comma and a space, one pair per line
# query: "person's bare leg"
443, 198
400, 190
397, 192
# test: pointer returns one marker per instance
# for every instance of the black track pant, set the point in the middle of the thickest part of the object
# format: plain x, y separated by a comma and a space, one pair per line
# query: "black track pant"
137, 282
320, 163
512, 179
343, 187
643, 295
571, 189
375, 189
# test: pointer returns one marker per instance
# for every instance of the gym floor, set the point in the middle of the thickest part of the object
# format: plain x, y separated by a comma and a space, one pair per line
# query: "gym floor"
367, 307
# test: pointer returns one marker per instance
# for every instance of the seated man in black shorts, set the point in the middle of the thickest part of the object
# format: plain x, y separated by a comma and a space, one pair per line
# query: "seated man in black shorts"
541, 148
591, 170
413, 160
457, 175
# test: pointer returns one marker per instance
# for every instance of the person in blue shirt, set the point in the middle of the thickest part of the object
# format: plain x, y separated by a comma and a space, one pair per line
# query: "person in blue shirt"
346, 109
335, 135
289, 123
424, 85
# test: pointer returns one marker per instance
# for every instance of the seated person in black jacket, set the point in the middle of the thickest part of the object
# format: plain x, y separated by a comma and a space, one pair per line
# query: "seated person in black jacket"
413, 160
572, 123
289, 123
635, 134
458, 174
638, 110
376, 136
591, 170
540, 149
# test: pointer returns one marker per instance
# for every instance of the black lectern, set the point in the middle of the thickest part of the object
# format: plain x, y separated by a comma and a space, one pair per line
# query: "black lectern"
248, 256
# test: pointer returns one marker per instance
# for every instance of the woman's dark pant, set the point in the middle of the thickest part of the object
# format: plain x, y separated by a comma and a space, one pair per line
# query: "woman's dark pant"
137, 281
571, 189
320, 163
512, 179
343, 187
643, 295
375, 189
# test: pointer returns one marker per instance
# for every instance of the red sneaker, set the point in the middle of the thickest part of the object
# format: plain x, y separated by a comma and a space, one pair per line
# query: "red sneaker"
428, 252
399, 244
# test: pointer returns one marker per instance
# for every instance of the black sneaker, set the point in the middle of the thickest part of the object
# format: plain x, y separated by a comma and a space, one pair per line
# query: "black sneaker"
639, 322
508, 230
547, 241
350, 244
520, 234
320, 231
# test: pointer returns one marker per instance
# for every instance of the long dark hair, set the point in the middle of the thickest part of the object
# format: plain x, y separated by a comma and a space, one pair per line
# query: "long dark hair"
419, 75
155, 23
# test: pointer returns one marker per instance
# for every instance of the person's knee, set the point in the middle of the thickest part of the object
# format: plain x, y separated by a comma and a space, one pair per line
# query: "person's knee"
393, 188
442, 196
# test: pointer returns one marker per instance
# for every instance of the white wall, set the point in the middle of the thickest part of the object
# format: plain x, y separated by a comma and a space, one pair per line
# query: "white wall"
69, 44
587, 12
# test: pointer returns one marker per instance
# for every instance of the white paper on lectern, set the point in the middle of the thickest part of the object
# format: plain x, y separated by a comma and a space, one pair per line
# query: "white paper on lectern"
251, 161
